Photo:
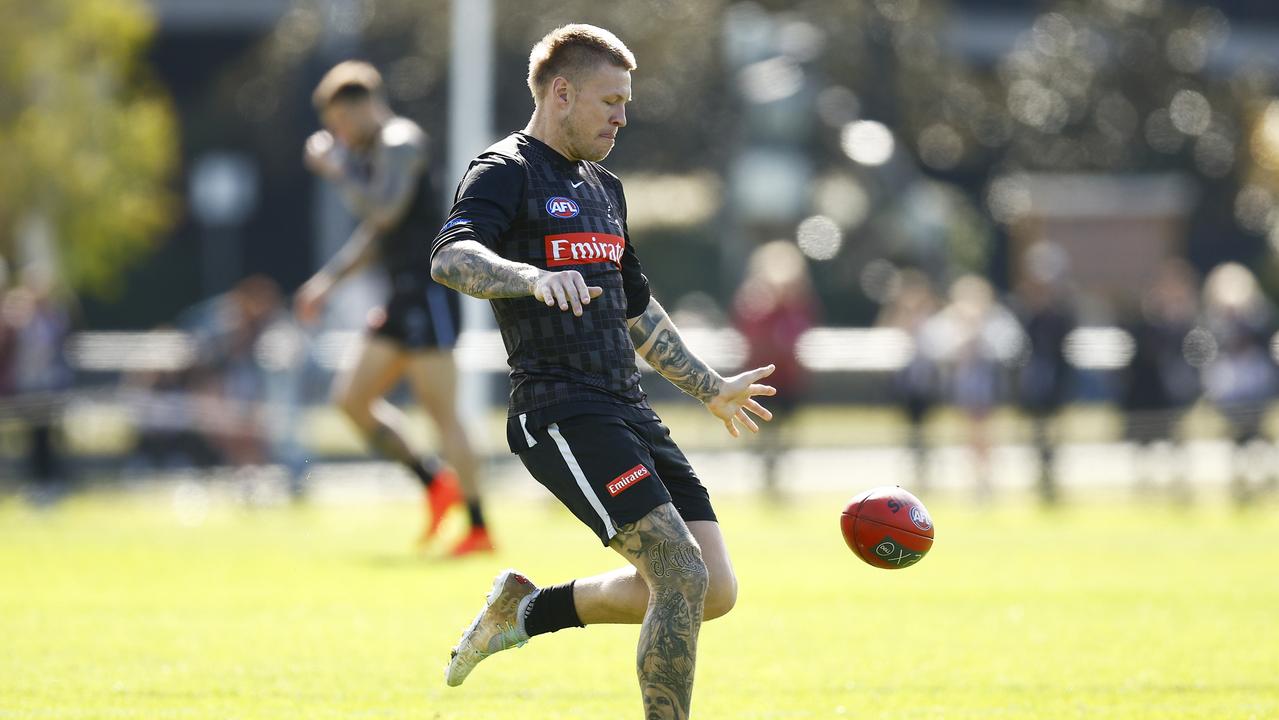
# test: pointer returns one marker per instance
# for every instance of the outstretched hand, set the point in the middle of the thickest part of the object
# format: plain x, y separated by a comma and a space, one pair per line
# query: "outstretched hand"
737, 395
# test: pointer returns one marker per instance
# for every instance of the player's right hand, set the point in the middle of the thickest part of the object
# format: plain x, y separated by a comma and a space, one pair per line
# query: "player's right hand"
566, 288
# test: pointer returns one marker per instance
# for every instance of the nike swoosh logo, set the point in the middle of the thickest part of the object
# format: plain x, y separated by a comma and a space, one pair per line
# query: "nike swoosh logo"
576, 184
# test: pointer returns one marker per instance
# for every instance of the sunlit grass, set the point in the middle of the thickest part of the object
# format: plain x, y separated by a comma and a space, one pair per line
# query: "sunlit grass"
111, 607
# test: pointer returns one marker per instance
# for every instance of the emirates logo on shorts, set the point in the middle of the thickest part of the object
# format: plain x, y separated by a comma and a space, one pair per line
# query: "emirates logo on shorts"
627, 479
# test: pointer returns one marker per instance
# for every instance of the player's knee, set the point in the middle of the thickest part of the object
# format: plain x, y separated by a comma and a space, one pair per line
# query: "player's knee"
678, 566
721, 596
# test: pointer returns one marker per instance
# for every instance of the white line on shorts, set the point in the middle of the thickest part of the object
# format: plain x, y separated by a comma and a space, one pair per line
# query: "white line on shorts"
580, 477
524, 426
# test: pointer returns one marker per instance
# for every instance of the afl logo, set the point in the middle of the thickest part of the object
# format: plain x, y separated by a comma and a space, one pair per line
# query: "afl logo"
920, 518
561, 207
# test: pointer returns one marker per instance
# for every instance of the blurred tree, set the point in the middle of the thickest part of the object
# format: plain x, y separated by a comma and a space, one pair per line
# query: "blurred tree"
679, 91
1089, 86
87, 144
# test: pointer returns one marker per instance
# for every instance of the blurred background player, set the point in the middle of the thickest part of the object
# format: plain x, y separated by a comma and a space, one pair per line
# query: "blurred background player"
1045, 306
539, 228
1161, 383
36, 317
917, 385
1240, 379
971, 334
774, 306
379, 162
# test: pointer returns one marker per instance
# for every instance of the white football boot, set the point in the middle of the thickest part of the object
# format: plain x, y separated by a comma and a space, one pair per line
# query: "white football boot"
498, 627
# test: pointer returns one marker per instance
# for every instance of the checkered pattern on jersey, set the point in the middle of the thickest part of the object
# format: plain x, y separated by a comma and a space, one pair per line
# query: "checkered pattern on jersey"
556, 357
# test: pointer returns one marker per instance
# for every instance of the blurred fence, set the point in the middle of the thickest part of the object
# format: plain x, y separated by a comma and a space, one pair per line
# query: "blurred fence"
820, 350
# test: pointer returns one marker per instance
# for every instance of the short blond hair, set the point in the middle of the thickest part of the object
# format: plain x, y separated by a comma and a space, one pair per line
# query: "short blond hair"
571, 49
347, 80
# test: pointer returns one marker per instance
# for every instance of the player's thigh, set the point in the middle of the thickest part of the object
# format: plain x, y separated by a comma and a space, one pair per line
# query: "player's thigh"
663, 549
432, 374
379, 364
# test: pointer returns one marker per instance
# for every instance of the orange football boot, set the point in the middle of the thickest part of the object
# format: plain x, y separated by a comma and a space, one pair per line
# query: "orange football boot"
444, 493
477, 540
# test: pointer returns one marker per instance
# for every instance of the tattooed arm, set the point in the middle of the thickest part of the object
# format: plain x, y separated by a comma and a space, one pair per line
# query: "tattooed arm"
358, 251
381, 194
380, 200
469, 267
398, 167
660, 344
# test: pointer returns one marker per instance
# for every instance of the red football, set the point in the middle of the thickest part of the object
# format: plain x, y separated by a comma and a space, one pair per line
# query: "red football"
887, 527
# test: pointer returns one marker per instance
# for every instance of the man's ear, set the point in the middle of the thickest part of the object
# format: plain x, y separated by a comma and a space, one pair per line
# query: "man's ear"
561, 89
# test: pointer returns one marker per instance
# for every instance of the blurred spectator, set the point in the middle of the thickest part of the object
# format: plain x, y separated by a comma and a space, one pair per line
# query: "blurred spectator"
774, 306
1045, 306
215, 410
1160, 383
7, 337
1240, 379
234, 388
976, 338
168, 430
36, 323
917, 386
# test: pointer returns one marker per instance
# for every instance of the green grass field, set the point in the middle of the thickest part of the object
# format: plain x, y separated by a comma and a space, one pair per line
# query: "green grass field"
112, 608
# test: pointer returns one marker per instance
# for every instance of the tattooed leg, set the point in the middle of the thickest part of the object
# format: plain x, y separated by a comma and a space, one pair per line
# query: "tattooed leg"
668, 559
621, 596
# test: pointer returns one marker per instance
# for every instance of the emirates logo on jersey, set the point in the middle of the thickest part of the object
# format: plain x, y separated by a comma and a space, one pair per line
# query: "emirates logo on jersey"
583, 248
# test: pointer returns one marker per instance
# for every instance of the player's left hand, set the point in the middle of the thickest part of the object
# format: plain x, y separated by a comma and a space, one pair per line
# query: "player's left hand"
737, 395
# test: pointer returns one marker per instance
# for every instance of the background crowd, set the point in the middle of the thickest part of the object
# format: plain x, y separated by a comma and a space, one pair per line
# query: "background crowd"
963, 212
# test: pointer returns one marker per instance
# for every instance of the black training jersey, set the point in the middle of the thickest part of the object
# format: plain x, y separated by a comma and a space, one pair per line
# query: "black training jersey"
400, 249
528, 203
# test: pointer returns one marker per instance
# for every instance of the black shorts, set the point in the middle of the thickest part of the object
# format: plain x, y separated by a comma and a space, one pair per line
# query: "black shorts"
419, 315
611, 471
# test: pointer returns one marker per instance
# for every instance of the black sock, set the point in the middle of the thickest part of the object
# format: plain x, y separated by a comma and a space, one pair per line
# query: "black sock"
551, 609
423, 473
477, 514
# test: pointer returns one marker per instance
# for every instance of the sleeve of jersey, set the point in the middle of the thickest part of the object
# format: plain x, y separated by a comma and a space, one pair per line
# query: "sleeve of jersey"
485, 204
634, 282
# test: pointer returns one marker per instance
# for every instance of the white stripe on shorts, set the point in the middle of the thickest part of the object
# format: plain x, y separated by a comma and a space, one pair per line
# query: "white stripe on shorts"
532, 441
580, 477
